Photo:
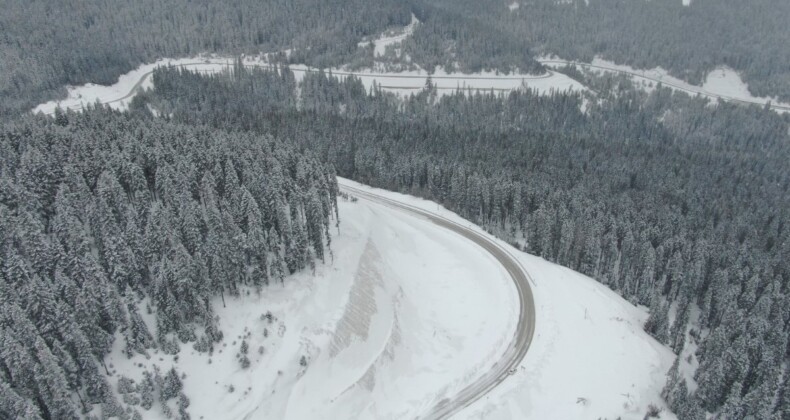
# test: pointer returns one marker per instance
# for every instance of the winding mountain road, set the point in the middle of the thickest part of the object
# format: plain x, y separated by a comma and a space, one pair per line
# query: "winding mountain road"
525, 329
361, 75
421, 78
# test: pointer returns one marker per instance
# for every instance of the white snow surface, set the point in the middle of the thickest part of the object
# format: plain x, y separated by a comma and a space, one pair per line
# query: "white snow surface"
120, 94
513, 6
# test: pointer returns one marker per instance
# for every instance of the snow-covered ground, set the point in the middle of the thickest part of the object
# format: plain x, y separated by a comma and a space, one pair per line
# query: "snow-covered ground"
120, 94
405, 314
723, 82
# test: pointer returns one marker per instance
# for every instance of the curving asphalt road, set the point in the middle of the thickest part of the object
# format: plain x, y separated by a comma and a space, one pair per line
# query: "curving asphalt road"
525, 329
701, 91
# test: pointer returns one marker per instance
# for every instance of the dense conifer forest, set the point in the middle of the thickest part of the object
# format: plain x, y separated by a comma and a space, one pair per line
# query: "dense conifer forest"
45, 45
675, 203
105, 215
689, 41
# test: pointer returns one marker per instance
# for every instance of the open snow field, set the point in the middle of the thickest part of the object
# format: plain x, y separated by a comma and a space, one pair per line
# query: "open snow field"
723, 82
120, 94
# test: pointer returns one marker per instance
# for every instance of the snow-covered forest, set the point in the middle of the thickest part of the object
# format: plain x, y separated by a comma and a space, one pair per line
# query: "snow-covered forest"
688, 40
47, 45
104, 218
122, 231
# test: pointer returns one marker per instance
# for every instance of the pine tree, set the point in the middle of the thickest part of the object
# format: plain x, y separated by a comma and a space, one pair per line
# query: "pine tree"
146, 389
733, 407
657, 323
51, 385
14, 406
171, 386
678, 331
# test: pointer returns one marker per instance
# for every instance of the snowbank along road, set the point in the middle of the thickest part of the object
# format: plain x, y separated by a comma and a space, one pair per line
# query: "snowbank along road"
525, 330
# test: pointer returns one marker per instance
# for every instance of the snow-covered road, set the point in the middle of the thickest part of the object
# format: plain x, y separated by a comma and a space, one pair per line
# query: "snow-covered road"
589, 356
415, 315
525, 330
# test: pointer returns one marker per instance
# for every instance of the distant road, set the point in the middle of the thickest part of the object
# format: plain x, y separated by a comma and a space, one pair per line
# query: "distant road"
365, 75
525, 329
361, 75
700, 90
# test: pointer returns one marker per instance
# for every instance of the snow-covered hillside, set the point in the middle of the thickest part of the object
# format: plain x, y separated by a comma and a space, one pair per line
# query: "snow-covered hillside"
403, 315
590, 357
